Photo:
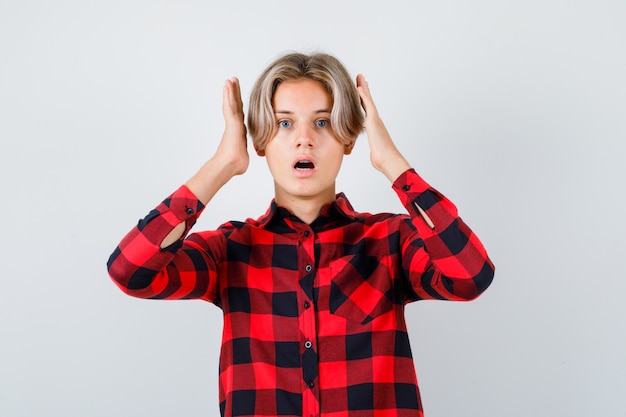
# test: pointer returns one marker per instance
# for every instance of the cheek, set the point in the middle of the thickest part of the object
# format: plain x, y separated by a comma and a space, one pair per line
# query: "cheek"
338, 150
274, 159
271, 162
335, 159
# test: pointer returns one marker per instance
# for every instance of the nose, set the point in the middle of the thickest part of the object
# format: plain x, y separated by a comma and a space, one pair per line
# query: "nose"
305, 137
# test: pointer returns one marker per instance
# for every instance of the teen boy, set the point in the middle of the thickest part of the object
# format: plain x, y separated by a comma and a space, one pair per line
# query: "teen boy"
313, 293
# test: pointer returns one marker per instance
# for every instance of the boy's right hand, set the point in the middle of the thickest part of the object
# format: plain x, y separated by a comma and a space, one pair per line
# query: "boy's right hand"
232, 152
231, 157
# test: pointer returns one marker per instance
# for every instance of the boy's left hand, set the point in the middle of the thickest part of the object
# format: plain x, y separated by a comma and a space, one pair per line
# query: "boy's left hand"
384, 155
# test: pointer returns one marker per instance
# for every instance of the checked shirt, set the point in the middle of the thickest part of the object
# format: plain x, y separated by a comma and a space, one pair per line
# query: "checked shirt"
313, 314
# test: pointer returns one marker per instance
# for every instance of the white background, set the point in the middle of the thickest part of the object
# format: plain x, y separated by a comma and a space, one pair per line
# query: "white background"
516, 110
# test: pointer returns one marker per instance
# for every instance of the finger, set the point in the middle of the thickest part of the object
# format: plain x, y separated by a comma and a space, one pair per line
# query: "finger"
232, 99
237, 92
226, 98
360, 81
364, 93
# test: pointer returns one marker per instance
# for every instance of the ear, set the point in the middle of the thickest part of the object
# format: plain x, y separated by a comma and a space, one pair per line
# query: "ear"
260, 152
348, 148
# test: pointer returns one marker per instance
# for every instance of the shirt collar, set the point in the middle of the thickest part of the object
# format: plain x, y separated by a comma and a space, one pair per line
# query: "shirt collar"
335, 210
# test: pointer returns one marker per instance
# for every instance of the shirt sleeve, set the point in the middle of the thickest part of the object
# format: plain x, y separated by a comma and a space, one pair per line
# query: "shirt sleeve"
441, 256
183, 270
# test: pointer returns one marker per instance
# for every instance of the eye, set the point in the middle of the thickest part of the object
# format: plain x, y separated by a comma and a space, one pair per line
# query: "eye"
322, 123
284, 123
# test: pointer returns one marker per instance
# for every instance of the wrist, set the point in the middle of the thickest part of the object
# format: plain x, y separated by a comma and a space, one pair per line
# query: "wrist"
392, 165
392, 168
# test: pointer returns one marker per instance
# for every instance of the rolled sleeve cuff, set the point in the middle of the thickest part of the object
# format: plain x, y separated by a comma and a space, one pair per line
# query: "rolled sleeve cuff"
184, 205
415, 192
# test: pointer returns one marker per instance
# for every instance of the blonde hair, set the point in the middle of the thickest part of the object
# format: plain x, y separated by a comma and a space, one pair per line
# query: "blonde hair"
346, 117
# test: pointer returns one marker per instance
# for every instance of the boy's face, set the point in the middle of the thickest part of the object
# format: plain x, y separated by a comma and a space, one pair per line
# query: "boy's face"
304, 156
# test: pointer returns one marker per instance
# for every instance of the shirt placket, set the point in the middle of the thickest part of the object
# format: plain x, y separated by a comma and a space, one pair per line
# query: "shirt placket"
307, 323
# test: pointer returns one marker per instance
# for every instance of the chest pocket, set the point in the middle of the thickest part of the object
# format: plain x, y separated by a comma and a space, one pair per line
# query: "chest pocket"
361, 288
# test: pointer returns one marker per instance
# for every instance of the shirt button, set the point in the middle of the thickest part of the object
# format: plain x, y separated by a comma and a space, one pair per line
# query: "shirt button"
406, 187
310, 384
189, 211
307, 304
308, 268
308, 344
307, 233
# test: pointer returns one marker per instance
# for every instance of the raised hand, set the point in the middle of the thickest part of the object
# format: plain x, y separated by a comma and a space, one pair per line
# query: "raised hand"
233, 148
231, 157
384, 155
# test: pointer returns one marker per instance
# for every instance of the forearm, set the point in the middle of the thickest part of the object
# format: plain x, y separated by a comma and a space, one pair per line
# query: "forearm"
138, 258
444, 257
148, 261
393, 164
212, 176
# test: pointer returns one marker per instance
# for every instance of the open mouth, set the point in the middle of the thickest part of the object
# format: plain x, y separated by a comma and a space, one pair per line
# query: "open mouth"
304, 165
